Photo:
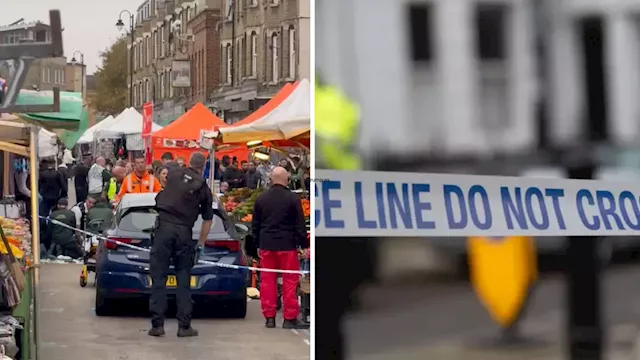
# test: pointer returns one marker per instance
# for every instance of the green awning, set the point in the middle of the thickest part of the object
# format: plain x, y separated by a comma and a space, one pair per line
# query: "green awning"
70, 137
69, 117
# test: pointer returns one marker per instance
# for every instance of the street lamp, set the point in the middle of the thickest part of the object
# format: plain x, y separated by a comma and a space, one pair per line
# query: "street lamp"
120, 26
74, 61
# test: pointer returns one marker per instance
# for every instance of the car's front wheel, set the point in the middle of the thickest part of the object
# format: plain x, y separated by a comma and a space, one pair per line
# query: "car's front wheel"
102, 307
237, 309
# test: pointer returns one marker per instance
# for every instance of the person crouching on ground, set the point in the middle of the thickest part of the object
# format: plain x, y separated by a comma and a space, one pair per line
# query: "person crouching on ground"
63, 239
280, 233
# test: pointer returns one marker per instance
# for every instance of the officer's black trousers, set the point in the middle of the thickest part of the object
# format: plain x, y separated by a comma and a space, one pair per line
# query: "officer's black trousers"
171, 242
342, 265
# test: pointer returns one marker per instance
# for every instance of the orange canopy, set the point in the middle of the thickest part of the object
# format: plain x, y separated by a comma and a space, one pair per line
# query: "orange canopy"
179, 138
188, 126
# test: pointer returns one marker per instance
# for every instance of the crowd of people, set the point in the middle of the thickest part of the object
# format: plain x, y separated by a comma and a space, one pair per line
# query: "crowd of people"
278, 228
233, 174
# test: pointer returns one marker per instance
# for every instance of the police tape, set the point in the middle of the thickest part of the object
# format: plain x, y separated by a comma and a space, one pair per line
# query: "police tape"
222, 265
391, 204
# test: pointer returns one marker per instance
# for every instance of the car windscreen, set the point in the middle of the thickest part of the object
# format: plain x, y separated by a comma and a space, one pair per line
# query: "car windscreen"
141, 219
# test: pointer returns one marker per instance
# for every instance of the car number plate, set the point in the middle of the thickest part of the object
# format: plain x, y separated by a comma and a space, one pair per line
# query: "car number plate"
173, 282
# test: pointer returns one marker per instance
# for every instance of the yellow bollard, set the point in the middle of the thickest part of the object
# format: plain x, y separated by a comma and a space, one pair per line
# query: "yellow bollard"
503, 270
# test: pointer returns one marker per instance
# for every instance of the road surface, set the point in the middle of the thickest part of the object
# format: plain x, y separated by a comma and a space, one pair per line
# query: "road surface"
446, 321
69, 329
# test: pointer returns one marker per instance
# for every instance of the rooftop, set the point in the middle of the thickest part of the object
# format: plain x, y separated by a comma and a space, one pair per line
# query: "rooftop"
21, 24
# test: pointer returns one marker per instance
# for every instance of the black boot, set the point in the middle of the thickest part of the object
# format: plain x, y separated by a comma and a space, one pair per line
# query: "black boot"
187, 332
156, 331
270, 323
294, 324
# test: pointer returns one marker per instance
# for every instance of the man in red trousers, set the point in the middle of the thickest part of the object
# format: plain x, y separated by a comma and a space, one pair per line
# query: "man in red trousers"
280, 233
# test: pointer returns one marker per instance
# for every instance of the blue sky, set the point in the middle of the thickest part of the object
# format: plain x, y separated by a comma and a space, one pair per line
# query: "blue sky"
89, 25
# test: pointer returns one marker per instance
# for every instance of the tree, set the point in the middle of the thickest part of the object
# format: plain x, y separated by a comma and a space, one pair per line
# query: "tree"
111, 94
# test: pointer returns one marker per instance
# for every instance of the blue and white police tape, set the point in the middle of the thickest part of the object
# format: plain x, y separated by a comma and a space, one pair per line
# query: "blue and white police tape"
381, 204
218, 264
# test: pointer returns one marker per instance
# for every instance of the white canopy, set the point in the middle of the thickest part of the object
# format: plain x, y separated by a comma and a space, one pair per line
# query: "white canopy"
47, 143
129, 122
289, 119
88, 135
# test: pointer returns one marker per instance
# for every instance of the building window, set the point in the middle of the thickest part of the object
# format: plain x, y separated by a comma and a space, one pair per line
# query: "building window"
48, 77
62, 77
162, 86
274, 2
135, 96
254, 54
154, 41
420, 32
229, 63
162, 44
491, 32
56, 76
240, 59
253, 3
146, 40
44, 75
149, 94
274, 57
170, 84
292, 52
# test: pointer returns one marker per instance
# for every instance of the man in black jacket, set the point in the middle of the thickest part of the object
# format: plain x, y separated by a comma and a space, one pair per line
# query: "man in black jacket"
233, 176
280, 232
81, 183
52, 186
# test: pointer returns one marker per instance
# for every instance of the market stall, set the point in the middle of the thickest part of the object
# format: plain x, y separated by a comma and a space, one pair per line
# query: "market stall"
21, 141
89, 135
17, 138
182, 137
127, 125
290, 119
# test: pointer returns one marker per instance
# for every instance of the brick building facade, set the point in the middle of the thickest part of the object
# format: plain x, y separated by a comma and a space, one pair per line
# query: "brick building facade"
264, 44
204, 54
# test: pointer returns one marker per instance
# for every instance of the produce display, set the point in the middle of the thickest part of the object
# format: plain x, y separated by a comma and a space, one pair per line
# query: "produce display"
18, 236
239, 203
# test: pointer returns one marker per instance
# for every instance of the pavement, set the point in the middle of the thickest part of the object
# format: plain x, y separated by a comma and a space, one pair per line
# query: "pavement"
69, 329
445, 320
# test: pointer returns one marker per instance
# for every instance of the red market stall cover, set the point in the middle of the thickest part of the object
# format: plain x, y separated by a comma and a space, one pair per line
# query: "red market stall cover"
181, 137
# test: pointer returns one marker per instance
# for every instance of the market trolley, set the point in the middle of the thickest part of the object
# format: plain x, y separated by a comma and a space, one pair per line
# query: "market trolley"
90, 248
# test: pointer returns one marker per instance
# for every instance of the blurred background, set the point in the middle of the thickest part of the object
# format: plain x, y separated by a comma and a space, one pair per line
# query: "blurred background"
503, 87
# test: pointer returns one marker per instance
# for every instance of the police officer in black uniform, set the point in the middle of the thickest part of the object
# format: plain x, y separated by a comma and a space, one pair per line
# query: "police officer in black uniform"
185, 196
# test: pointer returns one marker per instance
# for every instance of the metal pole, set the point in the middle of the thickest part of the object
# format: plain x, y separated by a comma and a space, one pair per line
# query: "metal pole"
35, 232
131, 25
584, 330
82, 76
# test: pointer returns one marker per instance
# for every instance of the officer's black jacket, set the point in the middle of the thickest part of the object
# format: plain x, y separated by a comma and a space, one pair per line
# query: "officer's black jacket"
184, 197
51, 184
60, 234
278, 221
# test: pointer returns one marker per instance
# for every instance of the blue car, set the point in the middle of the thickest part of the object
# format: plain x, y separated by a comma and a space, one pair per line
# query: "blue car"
123, 273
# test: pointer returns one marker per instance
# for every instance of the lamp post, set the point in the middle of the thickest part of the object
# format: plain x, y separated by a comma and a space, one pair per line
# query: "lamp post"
73, 61
120, 26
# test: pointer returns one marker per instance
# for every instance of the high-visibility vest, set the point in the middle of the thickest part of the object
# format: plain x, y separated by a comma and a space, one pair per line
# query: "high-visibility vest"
336, 125
113, 189
138, 186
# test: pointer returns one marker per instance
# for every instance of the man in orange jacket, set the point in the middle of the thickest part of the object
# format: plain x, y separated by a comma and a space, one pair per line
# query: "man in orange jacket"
139, 181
